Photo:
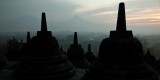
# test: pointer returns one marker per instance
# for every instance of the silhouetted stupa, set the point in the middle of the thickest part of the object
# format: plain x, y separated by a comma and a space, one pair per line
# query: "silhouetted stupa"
28, 37
150, 59
120, 56
44, 59
61, 49
90, 56
76, 54
26, 44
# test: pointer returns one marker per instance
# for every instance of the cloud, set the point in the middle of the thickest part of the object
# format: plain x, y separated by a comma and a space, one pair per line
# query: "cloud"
138, 12
90, 5
144, 17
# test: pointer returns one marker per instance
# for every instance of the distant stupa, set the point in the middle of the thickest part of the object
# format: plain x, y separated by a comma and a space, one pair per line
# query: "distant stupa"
90, 56
150, 59
76, 54
43, 59
28, 37
120, 56
26, 45
61, 49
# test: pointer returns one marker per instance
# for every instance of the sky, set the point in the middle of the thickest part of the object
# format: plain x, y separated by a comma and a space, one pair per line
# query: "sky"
139, 13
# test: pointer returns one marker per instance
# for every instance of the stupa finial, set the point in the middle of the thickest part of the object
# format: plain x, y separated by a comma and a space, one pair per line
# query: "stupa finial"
43, 23
121, 21
28, 37
89, 47
75, 38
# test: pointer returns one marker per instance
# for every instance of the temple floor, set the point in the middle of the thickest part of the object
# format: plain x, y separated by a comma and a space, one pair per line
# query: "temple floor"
7, 74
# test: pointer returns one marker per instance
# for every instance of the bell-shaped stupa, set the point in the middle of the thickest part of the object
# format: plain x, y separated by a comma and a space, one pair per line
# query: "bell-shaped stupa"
90, 56
76, 54
120, 56
43, 59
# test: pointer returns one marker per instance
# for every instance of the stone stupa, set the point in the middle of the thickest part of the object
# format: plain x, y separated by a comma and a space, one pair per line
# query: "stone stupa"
43, 59
76, 54
120, 56
150, 59
90, 55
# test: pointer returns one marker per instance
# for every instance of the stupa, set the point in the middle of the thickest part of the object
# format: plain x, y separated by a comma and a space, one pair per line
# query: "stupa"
150, 59
90, 56
76, 54
120, 56
43, 59
26, 44
61, 49
28, 37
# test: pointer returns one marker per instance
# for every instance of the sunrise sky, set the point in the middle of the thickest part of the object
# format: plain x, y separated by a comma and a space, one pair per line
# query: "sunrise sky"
138, 12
